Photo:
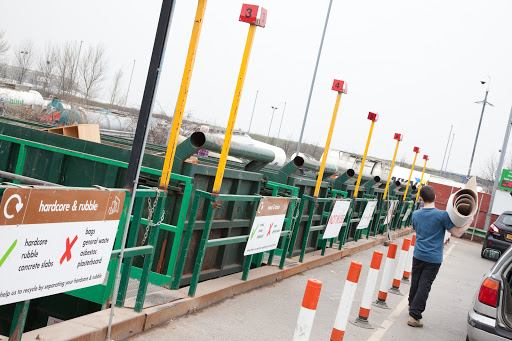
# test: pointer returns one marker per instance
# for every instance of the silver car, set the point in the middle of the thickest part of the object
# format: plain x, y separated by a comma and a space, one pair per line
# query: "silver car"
490, 316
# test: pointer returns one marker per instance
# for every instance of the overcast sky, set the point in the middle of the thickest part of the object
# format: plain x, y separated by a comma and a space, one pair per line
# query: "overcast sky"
418, 64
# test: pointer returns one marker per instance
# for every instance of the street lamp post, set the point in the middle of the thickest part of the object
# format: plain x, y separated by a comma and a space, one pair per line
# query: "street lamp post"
253, 107
129, 84
279, 131
498, 171
270, 126
480, 122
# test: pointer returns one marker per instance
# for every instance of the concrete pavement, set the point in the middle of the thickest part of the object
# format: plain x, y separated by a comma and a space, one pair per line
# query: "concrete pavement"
271, 312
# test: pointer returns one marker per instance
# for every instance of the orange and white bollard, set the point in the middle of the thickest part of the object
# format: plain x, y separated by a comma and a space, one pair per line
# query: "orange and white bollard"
408, 262
369, 288
386, 277
349, 291
307, 310
395, 286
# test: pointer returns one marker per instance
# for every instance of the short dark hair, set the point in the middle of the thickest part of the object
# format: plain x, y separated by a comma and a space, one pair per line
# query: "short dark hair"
428, 194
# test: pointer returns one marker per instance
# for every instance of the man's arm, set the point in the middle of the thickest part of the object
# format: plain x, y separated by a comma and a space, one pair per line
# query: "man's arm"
459, 231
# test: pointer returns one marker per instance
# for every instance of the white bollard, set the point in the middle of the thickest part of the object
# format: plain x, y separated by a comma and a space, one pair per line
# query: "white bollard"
307, 310
349, 291
395, 286
386, 277
408, 262
369, 288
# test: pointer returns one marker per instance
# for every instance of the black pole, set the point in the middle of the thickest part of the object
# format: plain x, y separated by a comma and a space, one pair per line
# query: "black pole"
139, 141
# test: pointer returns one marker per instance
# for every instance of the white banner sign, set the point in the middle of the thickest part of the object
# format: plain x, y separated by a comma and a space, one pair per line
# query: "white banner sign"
407, 213
391, 209
267, 225
53, 241
367, 215
336, 219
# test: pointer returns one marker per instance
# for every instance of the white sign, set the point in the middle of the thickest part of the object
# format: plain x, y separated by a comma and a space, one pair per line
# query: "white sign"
53, 241
391, 209
367, 215
267, 225
336, 219
407, 213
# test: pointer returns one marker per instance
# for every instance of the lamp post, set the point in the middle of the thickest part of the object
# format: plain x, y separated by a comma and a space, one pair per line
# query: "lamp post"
270, 126
484, 102
252, 115
279, 131
129, 84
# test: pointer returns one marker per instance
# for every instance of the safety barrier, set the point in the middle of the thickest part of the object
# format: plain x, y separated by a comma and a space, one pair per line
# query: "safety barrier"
386, 277
408, 262
307, 310
349, 291
395, 286
369, 289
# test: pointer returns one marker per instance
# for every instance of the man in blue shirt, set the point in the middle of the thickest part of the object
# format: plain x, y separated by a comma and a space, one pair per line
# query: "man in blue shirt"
430, 225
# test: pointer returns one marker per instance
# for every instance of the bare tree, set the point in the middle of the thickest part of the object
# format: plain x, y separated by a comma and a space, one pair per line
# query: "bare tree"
46, 67
288, 144
489, 167
4, 45
92, 69
115, 97
66, 57
23, 58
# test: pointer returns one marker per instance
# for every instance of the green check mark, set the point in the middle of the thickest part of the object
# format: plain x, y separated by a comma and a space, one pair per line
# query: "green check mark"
8, 252
252, 235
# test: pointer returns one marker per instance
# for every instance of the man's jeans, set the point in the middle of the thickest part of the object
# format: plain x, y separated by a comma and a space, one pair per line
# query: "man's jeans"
423, 275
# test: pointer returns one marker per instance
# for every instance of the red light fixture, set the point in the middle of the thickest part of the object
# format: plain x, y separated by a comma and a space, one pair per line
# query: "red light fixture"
489, 292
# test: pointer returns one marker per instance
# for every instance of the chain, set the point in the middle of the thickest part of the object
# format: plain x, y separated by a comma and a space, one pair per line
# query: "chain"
151, 210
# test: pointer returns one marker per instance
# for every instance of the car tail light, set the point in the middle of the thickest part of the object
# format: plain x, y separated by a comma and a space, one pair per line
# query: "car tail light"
489, 292
493, 228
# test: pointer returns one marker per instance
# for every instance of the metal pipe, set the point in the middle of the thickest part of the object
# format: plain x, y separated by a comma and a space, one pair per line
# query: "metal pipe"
370, 183
301, 162
340, 180
25, 179
199, 140
498, 172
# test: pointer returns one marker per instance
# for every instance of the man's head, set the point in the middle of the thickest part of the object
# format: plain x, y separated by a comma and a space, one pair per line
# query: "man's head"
427, 194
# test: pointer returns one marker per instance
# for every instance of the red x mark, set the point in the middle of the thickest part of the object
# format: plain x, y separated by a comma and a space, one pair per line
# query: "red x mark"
270, 229
67, 254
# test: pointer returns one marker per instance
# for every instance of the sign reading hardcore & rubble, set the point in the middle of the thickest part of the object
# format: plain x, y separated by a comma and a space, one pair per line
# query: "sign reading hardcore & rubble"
267, 225
336, 219
367, 215
55, 240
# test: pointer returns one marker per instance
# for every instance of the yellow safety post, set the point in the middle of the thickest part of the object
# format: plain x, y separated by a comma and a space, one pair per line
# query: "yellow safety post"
248, 15
182, 97
416, 151
425, 157
339, 87
372, 117
398, 138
